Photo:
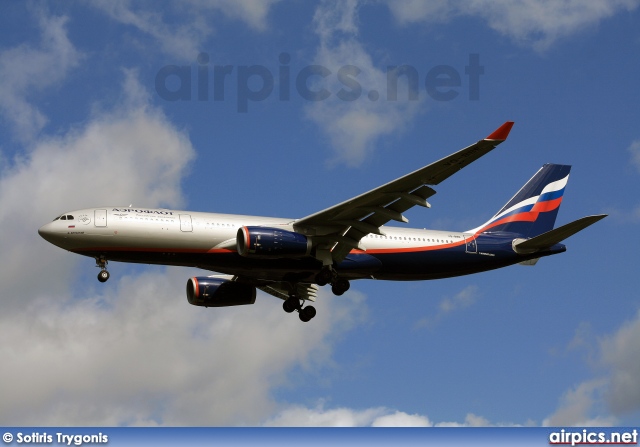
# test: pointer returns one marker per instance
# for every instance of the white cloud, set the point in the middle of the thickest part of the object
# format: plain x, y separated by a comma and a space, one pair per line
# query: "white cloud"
473, 420
253, 13
184, 39
463, 299
538, 23
401, 419
621, 354
27, 70
600, 401
181, 41
117, 158
353, 125
301, 416
131, 351
460, 301
135, 353
578, 404
634, 149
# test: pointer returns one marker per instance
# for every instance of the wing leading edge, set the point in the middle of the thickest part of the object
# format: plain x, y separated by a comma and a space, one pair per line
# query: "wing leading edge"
338, 229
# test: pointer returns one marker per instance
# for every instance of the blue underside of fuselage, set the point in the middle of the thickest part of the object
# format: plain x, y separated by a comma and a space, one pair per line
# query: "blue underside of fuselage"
490, 252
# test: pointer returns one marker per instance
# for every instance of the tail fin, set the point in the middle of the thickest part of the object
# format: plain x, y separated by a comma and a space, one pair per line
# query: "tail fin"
533, 210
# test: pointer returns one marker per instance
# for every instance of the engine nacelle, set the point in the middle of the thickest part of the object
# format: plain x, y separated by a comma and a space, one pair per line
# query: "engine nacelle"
263, 242
217, 292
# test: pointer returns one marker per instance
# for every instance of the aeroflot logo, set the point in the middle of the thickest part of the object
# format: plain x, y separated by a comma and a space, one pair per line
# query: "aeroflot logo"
131, 210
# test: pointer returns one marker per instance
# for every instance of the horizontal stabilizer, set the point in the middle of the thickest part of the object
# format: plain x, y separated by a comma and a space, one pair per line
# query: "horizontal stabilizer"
550, 238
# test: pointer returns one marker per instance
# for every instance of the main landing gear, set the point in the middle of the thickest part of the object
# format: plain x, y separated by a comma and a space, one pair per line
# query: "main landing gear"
329, 276
104, 274
294, 303
326, 276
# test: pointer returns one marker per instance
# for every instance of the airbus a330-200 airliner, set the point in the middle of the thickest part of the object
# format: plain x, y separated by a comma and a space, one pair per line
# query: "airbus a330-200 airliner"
291, 258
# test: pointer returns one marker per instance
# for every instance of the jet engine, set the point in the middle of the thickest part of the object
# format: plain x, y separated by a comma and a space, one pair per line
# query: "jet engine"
263, 242
217, 292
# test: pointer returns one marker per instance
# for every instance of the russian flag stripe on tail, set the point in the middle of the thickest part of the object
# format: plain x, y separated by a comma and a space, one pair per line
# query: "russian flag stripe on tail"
533, 210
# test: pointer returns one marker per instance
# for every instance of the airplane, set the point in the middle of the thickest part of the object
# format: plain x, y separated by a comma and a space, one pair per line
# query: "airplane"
291, 258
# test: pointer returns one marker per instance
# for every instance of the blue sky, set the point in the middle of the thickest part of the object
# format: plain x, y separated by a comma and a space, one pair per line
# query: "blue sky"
85, 122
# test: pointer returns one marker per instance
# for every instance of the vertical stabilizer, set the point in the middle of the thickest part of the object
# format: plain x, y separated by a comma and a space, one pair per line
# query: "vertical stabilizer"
533, 210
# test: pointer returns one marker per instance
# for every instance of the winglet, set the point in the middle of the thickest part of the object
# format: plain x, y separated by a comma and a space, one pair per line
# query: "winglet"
502, 132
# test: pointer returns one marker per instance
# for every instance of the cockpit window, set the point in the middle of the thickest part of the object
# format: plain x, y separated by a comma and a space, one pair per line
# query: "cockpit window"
63, 217
56, 218
69, 217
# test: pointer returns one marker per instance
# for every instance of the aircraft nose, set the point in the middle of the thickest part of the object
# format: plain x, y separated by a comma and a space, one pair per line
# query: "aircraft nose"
46, 232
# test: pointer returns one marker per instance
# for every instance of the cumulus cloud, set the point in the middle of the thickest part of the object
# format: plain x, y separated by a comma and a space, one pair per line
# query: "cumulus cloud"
27, 70
135, 353
602, 400
621, 354
356, 113
253, 13
536, 23
183, 39
116, 158
319, 416
461, 300
578, 405
300, 416
131, 351
178, 40
634, 150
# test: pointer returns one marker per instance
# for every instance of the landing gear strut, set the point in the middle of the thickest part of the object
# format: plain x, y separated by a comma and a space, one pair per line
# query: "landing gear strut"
294, 303
104, 274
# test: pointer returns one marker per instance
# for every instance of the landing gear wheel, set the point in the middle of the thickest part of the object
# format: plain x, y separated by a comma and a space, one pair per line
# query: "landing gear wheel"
324, 277
291, 304
340, 286
307, 313
102, 262
103, 276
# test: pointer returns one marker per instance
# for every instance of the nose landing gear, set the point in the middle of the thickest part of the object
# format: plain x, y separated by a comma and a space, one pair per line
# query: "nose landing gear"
101, 262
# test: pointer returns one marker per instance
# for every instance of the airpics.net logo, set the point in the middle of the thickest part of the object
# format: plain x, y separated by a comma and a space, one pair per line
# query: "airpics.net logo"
592, 437
206, 80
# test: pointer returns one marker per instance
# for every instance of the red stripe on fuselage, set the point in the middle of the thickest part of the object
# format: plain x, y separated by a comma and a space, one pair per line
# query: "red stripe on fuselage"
408, 249
528, 216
